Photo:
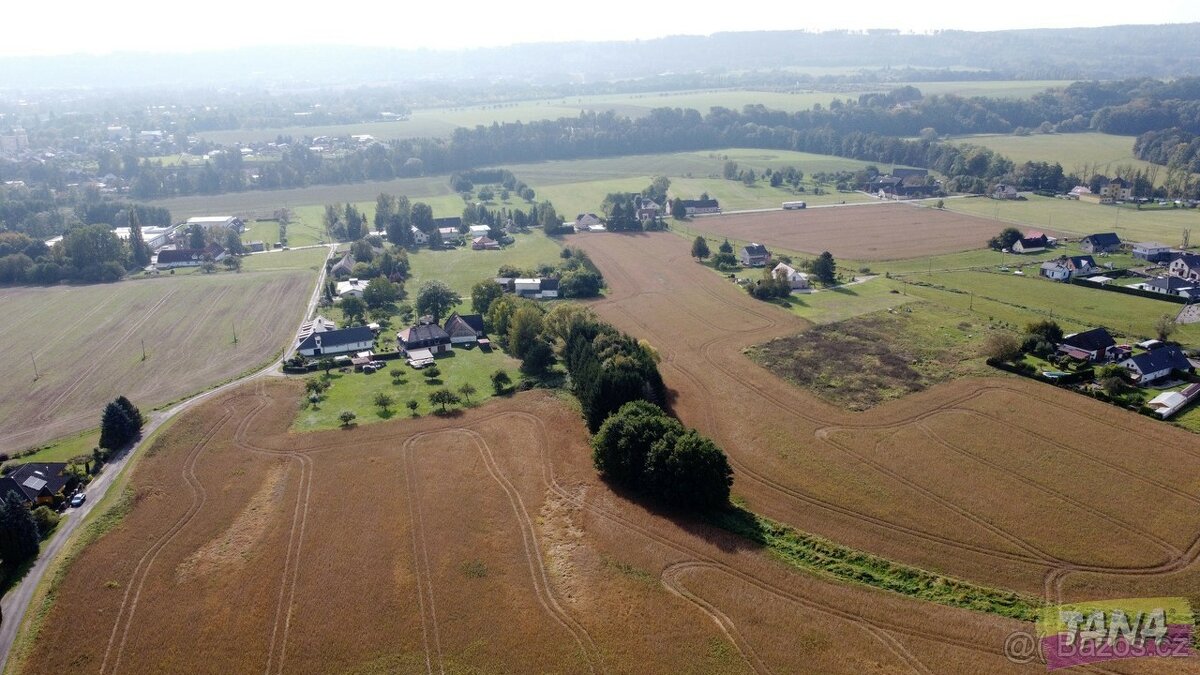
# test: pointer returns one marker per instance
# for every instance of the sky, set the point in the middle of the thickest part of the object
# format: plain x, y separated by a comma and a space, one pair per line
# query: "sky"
87, 26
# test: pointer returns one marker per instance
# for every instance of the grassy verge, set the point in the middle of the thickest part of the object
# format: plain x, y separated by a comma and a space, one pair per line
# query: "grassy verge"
816, 554
63, 449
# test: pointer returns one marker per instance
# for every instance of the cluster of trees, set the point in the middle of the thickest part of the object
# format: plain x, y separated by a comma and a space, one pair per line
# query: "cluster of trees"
120, 424
620, 208
609, 369
464, 182
344, 223
88, 253
19, 535
643, 449
1179, 152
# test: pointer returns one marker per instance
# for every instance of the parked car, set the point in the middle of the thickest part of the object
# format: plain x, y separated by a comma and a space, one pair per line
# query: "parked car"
369, 368
78, 499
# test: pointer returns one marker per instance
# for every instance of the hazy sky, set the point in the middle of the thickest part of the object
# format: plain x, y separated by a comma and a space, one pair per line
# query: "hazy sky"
142, 25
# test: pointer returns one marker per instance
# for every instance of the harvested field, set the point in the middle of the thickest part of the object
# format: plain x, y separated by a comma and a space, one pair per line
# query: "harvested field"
999, 481
861, 362
552, 571
87, 343
868, 232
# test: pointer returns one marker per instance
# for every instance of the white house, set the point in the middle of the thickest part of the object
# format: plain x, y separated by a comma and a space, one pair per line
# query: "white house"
479, 231
1151, 251
1185, 266
1156, 364
351, 288
342, 341
797, 280
419, 237
584, 221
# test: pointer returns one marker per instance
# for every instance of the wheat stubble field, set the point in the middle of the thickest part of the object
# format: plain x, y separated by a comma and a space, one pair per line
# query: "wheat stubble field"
485, 542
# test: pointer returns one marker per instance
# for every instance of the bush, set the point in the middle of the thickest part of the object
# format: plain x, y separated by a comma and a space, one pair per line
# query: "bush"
46, 520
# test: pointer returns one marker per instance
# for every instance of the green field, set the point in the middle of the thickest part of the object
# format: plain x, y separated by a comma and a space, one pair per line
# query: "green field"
356, 391
441, 122
1083, 218
1083, 154
310, 259
461, 268
65, 449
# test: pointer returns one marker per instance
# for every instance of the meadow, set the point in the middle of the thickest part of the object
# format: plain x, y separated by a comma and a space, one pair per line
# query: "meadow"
461, 267
1101, 153
86, 342
441, 122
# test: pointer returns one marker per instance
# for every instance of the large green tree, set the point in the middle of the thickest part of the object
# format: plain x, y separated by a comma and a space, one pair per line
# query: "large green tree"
621, 446
353, 308
380, 293
483, 294
436, 299
700, 249
825, 268
18, 531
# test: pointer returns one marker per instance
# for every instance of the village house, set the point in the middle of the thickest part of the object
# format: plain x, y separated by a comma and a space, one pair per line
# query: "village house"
1117, 189
476, 231
1173, 286
647, 209
1003, 191
170, 258
464, 328
586, 221
341, 341
1151, 251
485, 243
317, 324
448, 222
1156, 364
1030, 244
1067, 267
754, 255
351, 288
36, 483
796, 280
698, 207
537, 288
1185, 266
344, 267
427, 336
1105, 242
1091, 345
418, 235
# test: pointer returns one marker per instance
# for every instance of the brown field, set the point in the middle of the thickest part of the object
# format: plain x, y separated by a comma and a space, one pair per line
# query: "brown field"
867, 232
87, 342
478, 543
1001, 481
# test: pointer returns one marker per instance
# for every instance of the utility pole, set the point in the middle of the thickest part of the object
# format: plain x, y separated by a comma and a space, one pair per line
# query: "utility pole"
235, 340
36, 376
143, 349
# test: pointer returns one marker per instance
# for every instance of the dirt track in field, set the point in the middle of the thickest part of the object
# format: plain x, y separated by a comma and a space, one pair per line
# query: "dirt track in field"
868, 232
1001, 481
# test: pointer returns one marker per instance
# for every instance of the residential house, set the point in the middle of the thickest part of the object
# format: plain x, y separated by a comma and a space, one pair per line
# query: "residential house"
585, 221
1056, 270
1154, 365
170, 258
1003, 191
428, 336
754, 255
1091, 345
209, 222
1037, 234
696, 207
344, 267
1117, 189
479, 231
1068, 267
454, 222
464, 328
1173, 286
318, 324
418, 235
1028, 244
647, 209
797, 280
1151, 251
538, 288
485, 243
1185, 266
902, 183
1105, 242
36, 483
340, 341
351, 288
449, 233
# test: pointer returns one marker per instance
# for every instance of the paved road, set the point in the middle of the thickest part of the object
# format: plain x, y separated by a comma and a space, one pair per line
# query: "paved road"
875, 201
16, 602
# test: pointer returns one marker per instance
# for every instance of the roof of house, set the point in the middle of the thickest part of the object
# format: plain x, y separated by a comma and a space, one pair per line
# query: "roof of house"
448, 221
30, 480
346, 263
1104, 239
1189, 259
1170, 283
700, 203
1082, 261
549, 284
336, 338
1092, 340
177, 255
1054, 265
755, 250
1150, 245
1033, 242
1119, 182
1160, 359
471, 322
429, 332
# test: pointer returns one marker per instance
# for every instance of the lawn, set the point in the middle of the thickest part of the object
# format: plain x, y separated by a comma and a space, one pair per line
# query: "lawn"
461, 268
302, 259
65, 449
356, 391
1084, 153
1083, 218
303, 230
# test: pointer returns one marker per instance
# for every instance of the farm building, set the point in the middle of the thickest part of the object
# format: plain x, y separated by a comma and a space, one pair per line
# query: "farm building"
1105, 242
1091, 345
797, 280
155, 237
1185, 266
36, 483
1170, 402
697, 207
209, 222
479, 231
170, 258
754, 255
584, 221
428, 336
341, 341
1151, 251
351, 288
538, 287
1154, 365
1080, 191
464, 328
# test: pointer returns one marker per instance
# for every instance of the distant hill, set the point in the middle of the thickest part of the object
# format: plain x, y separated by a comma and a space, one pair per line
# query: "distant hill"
1073, 53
